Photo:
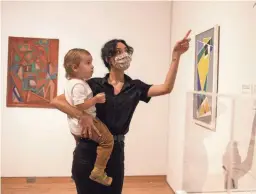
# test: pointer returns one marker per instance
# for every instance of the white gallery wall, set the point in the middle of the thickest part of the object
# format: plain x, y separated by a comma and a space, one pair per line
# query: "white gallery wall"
237, 66
1, 99
36, 141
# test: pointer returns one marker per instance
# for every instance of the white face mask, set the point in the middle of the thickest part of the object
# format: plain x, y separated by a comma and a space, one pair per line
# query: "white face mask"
122, 61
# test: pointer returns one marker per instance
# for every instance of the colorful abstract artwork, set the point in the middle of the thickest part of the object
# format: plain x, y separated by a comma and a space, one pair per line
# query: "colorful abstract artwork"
32, 71
206, 77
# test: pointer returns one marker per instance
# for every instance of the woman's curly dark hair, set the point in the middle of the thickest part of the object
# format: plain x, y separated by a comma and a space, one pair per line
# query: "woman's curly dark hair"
109, 50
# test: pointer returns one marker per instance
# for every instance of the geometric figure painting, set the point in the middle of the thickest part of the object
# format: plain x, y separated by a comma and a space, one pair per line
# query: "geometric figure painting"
32, 71
206, 78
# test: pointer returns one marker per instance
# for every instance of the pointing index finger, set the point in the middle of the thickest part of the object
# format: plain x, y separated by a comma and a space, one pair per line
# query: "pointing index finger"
187, 34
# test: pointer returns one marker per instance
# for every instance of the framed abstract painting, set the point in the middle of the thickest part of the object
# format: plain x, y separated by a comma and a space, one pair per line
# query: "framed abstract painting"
32, 71
206, 78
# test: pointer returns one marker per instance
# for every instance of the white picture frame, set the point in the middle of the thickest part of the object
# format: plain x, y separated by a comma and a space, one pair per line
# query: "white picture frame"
206, 77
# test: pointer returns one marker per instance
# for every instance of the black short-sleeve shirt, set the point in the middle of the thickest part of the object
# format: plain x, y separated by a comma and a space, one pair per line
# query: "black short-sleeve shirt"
118, 110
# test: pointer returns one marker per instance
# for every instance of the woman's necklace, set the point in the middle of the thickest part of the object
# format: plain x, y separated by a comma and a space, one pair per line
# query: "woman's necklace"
114, 83
118, 85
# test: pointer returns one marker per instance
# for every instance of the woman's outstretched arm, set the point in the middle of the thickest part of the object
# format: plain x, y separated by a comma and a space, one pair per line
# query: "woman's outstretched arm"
165, 88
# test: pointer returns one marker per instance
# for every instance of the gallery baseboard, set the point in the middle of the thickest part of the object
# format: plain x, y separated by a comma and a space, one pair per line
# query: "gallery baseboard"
218, 192
45, 180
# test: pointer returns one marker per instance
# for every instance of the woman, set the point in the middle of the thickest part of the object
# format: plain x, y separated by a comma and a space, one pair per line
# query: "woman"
122, 96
